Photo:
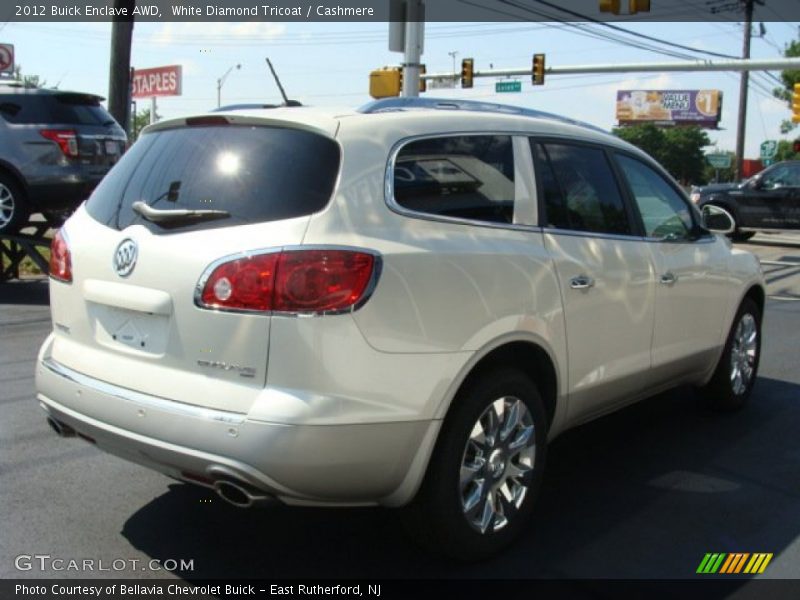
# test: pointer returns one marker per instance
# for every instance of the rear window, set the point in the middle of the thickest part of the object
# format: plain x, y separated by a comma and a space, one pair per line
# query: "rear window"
54, 109
256, 174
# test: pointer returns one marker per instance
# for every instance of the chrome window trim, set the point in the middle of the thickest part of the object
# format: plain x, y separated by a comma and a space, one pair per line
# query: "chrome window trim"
598, 235
377, 269
391, 202
171, 406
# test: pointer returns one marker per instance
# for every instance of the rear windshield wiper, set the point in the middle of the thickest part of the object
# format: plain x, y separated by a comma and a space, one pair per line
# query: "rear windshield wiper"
176, 215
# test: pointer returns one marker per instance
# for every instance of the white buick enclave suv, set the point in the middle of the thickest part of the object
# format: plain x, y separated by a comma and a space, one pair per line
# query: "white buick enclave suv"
395, 306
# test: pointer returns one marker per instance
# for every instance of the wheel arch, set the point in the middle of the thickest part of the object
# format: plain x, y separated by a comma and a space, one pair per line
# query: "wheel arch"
7, 168
531, 355
757, 294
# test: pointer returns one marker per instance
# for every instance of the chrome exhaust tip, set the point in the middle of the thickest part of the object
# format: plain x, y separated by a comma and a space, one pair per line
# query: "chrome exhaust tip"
240, 495
62, 429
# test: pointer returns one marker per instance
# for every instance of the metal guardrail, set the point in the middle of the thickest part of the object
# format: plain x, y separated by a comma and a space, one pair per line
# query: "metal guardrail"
14, 249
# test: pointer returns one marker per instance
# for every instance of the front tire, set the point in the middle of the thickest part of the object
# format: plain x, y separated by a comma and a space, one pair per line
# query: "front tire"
736, 373
14, 209
485, 474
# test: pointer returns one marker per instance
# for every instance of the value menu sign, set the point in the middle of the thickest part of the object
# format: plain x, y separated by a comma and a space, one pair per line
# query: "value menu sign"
158, 81
670, 107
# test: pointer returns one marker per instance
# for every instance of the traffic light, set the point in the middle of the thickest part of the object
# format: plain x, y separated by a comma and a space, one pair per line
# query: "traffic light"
636, 6
796, 104
537, 70
385, 82
796, 146
467, 72
611, 6
423, 83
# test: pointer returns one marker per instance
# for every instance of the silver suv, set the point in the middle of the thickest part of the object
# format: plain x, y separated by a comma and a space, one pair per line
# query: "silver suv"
55, 146
396, 306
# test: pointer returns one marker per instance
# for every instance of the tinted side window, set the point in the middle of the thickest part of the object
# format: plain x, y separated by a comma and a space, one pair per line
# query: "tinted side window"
587, 197
783, 176
23, 109
469, 177
255, 174
665, 214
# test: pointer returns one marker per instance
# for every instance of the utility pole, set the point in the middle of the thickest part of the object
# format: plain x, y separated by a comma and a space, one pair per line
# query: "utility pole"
119, 80
453, 55
743, 84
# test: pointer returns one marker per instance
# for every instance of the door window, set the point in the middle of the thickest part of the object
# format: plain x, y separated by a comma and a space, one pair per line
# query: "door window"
781, 177
580, 192
664, 213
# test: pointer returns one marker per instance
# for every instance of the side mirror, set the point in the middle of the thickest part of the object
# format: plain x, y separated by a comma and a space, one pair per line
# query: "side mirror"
717, 219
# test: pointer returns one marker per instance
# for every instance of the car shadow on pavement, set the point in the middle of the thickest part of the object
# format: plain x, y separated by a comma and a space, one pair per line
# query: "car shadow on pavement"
643, 493
34, 292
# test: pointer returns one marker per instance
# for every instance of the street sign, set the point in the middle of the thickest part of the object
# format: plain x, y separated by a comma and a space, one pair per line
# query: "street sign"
6, 58
719, 161
507, 86
158, 81
769, 149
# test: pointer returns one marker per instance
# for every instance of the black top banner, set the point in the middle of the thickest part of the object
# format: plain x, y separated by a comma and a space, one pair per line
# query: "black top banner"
387, 10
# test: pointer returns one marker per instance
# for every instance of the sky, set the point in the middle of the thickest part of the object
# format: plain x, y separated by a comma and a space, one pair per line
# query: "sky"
328, 64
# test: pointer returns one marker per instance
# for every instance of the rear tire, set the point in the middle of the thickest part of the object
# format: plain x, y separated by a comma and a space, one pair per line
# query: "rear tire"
14, 209
736, 373
482, 481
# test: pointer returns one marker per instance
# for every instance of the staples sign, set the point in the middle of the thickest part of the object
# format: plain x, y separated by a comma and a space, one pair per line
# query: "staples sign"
158, 81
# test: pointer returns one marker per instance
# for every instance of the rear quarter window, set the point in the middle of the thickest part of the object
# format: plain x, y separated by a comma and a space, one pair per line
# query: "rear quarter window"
465, 177
255, 173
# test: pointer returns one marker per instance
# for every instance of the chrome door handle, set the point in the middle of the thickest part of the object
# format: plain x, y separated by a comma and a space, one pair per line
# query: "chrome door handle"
581, 282
668, 278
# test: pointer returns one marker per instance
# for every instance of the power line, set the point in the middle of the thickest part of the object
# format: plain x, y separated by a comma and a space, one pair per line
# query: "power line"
633, 33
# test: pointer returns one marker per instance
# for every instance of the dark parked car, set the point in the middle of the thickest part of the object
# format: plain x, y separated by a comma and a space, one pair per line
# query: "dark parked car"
55, 147
768, 201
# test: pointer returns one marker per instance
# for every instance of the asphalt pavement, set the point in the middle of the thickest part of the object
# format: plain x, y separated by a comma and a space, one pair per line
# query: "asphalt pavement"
643, 493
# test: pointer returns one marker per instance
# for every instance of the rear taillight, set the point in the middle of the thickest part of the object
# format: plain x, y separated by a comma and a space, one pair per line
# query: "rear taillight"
291, 281
60, 259
66, 139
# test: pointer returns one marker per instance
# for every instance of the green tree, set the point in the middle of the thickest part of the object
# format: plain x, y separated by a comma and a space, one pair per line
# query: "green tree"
684, 157
33, 81
786, 151
646, 136
678, 149
789, 78
140, 120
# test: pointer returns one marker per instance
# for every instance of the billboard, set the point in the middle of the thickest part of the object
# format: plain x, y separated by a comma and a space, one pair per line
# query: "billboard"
670, 107
158, 81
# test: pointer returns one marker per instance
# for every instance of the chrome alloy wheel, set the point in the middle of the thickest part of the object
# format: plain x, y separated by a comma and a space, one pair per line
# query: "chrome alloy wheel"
744, 353
6, 206
497, 466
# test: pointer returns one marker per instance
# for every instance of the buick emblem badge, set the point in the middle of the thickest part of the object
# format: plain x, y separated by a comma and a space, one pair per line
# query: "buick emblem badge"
125, 257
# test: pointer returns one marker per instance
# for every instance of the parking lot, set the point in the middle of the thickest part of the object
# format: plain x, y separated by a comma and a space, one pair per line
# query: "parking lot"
643, 493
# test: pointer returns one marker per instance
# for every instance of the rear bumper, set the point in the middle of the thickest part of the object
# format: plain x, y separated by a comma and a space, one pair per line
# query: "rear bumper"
348, 464
61, 195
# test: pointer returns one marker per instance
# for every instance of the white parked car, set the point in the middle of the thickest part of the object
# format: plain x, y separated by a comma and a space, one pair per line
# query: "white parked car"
396, 306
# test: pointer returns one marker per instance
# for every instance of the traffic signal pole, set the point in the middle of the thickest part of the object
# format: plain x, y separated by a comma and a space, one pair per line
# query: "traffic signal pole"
777, 64
415, 34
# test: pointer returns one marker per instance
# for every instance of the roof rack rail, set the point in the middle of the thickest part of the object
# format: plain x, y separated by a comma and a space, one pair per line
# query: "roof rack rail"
406, 103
